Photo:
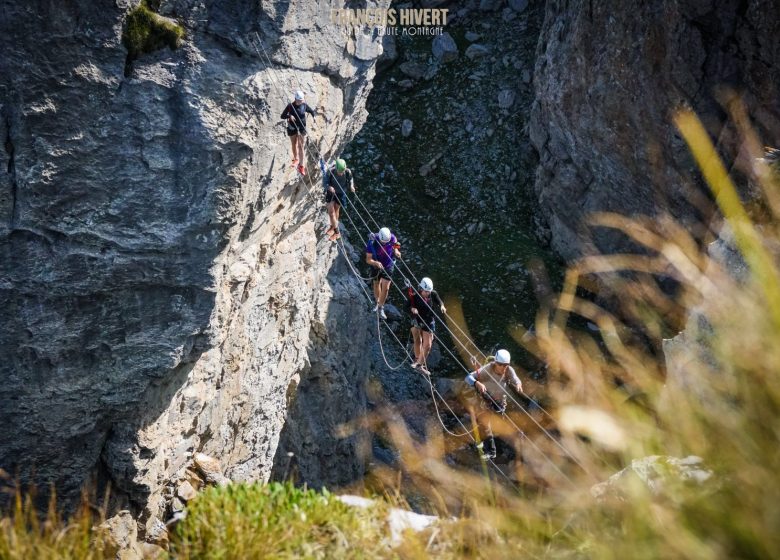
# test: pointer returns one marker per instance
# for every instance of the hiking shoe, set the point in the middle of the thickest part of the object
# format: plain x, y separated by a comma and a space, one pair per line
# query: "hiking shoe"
382, 313
301, 170
415, 364
375, 309
425, 370
487, 455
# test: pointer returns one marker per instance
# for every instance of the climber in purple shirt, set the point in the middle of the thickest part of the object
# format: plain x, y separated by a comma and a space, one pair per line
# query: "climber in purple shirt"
381, 251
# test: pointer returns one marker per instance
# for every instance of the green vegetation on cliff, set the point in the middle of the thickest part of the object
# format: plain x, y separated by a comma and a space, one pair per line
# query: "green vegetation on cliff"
145, 32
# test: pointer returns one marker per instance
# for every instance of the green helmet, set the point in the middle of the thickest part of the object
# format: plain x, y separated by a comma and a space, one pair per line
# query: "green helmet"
341, 165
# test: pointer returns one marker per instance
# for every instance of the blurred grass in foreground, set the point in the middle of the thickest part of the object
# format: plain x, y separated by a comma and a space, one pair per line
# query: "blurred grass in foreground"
26, 534
613, 402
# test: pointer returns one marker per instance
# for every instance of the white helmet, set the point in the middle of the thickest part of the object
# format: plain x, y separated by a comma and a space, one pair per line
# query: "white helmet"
502, 357
384, 235
299, 95
426, 284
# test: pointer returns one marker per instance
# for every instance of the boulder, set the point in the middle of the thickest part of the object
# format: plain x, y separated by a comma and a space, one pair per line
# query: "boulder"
444, 48
389, 53
186, 492
117, 537
211, 469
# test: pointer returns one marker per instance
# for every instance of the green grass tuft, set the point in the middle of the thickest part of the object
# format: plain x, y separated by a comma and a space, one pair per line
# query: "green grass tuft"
145, 32
278, 521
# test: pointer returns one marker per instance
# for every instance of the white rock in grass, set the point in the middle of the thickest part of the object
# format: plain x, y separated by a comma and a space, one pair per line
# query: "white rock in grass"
399, 520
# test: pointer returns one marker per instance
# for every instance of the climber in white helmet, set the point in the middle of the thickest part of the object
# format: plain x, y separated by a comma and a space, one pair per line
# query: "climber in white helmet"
491, 381
381, 251
295, 115
421, 305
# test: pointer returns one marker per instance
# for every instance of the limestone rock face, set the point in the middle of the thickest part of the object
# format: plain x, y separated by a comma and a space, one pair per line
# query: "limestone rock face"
607, 80
164, 288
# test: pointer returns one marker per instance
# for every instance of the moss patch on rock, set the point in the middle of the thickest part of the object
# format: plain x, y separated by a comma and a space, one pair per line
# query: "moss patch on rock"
146, 31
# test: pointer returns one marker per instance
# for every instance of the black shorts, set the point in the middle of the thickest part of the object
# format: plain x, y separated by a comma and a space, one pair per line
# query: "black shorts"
295, 132
381, 274
331, 197
423, 326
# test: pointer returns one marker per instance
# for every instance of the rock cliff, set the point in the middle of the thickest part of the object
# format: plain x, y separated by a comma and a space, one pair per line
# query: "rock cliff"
607, 78
164, 285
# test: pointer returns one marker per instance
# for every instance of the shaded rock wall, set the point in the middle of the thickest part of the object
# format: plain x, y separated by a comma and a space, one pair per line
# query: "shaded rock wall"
163, 284
607, 78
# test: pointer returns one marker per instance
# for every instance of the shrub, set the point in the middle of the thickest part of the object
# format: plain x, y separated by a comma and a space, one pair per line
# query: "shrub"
277, 521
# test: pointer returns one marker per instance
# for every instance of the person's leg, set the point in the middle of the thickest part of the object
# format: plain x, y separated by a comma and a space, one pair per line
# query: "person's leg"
483, 424
427, 341
486, 433
384, 289
377, 291
301, 153
336, 215
294, 145
417, 344
332, 216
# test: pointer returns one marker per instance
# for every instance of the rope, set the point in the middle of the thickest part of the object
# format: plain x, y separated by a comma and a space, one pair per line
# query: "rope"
566, 451
306, 147
381, 348
434, 392
455, 338
554, 440
431, 387
466, 430
529, 440
509, 418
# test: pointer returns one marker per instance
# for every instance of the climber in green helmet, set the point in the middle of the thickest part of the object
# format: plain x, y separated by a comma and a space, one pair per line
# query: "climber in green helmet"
336, 179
